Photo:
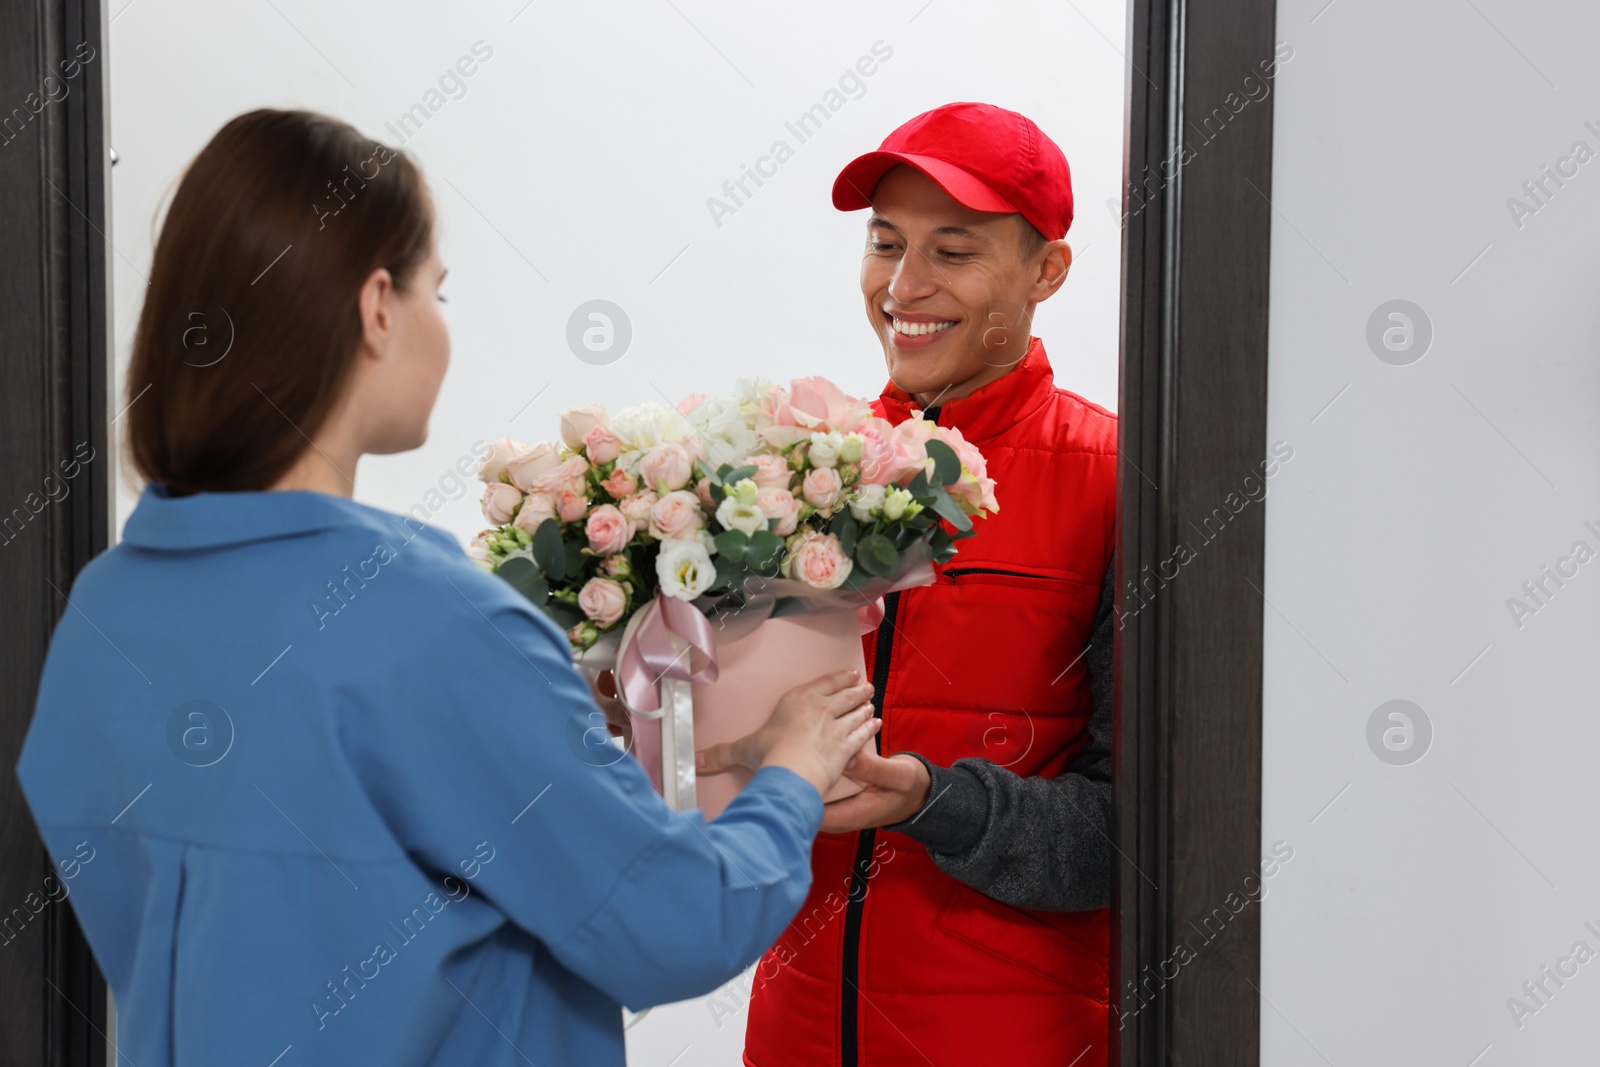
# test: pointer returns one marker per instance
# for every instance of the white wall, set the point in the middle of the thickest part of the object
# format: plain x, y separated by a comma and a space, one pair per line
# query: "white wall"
577, 166
1420, 498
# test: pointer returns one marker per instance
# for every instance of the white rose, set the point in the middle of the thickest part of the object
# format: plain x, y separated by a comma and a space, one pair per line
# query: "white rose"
684, 568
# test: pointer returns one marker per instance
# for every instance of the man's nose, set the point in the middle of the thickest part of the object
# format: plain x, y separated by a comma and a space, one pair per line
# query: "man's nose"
915, 276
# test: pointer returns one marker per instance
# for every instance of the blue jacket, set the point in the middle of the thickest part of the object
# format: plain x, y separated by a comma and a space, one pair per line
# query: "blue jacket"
321, 788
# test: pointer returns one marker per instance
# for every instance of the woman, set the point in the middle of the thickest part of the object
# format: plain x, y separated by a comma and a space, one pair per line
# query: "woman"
321, 784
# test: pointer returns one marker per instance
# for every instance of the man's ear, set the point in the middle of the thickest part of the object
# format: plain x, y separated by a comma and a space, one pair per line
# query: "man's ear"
1053, 268
377, 311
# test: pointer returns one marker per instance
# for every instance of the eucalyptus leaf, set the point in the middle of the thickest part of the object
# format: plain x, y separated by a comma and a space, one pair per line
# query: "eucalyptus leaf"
731, 545
877, 555
524, 577
548, 551
565, 615
949, 509
844, 526
946, 466
765, 552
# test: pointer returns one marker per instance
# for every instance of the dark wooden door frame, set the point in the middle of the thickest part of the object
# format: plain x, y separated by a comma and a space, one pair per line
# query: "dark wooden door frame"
1192, 406
55, 507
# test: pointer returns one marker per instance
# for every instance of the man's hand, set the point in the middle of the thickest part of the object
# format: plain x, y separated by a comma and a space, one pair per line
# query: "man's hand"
896, 789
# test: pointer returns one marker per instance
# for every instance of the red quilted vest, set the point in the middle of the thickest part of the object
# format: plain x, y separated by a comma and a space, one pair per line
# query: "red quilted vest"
891, 962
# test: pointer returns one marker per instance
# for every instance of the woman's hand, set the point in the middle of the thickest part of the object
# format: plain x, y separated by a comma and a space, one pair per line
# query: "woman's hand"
815, 729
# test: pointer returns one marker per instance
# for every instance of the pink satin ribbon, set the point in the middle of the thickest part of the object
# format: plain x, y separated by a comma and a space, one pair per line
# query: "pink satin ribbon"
652, 654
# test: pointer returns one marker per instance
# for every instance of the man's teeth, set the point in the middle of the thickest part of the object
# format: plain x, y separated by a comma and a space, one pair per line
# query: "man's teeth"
917, 329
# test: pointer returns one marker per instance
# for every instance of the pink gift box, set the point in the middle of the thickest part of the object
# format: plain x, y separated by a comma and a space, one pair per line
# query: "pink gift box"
752, 673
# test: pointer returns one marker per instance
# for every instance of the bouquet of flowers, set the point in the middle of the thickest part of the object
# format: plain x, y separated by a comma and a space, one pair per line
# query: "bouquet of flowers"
772, 500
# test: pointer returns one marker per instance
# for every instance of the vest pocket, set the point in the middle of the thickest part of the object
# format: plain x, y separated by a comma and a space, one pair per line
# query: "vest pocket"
1068, 949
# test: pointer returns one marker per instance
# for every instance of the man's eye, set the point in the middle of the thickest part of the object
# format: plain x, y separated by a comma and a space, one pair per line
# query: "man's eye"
959, 255
879, 246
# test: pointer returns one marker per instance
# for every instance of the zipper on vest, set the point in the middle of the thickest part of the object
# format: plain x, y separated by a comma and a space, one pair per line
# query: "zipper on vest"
953, 571
850, 995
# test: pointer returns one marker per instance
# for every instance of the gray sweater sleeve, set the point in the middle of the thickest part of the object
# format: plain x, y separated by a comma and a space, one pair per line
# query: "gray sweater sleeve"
1038, 843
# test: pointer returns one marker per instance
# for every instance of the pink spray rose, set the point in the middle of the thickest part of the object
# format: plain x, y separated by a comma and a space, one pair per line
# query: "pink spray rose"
500, 502
570, 506
537, 508
677, 514
772, 472
619, 483
601, 445
818, 561
608, 530
637, 507
570, 475
527, 467
779, 504
822, 489
577, 422
602, 600
501, 452
666, 467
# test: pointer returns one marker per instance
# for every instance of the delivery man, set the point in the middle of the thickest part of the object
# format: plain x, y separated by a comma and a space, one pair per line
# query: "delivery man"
959, 908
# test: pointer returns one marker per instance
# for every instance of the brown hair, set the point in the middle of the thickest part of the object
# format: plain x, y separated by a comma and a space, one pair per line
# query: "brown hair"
251, 324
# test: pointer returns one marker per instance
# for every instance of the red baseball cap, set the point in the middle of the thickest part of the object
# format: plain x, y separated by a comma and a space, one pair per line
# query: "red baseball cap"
985, 157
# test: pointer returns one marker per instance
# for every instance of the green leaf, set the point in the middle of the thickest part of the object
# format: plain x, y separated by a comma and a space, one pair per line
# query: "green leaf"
877, 555
733, 475
548, 551
844, 527
919, 487
574, 557
566, 616
949, 509
765, 552
732, 545
946, 466
525, 578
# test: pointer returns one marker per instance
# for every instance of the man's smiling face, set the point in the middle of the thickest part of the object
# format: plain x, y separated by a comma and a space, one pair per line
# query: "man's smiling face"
949, 290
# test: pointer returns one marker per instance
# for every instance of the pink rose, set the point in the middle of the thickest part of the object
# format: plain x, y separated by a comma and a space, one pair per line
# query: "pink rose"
666, 467
608, 530
819, 405
577, 422
570, 506
702, 489
677, 514
526, 468
570, 475
771, 471
602, 600
537, 508
601, 445
619, 483
819, 562
779, 504
637, 507
501, 452
690, 402
500, 502
974, 489
887, 455
822, 489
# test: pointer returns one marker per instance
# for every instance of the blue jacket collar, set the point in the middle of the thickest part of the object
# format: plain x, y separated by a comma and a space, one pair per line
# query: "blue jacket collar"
213, 520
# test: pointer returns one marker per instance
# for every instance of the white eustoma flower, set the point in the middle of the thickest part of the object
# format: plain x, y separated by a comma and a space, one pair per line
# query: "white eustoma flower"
684, 568
895, 500
735, 514
866, 501
825, 449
